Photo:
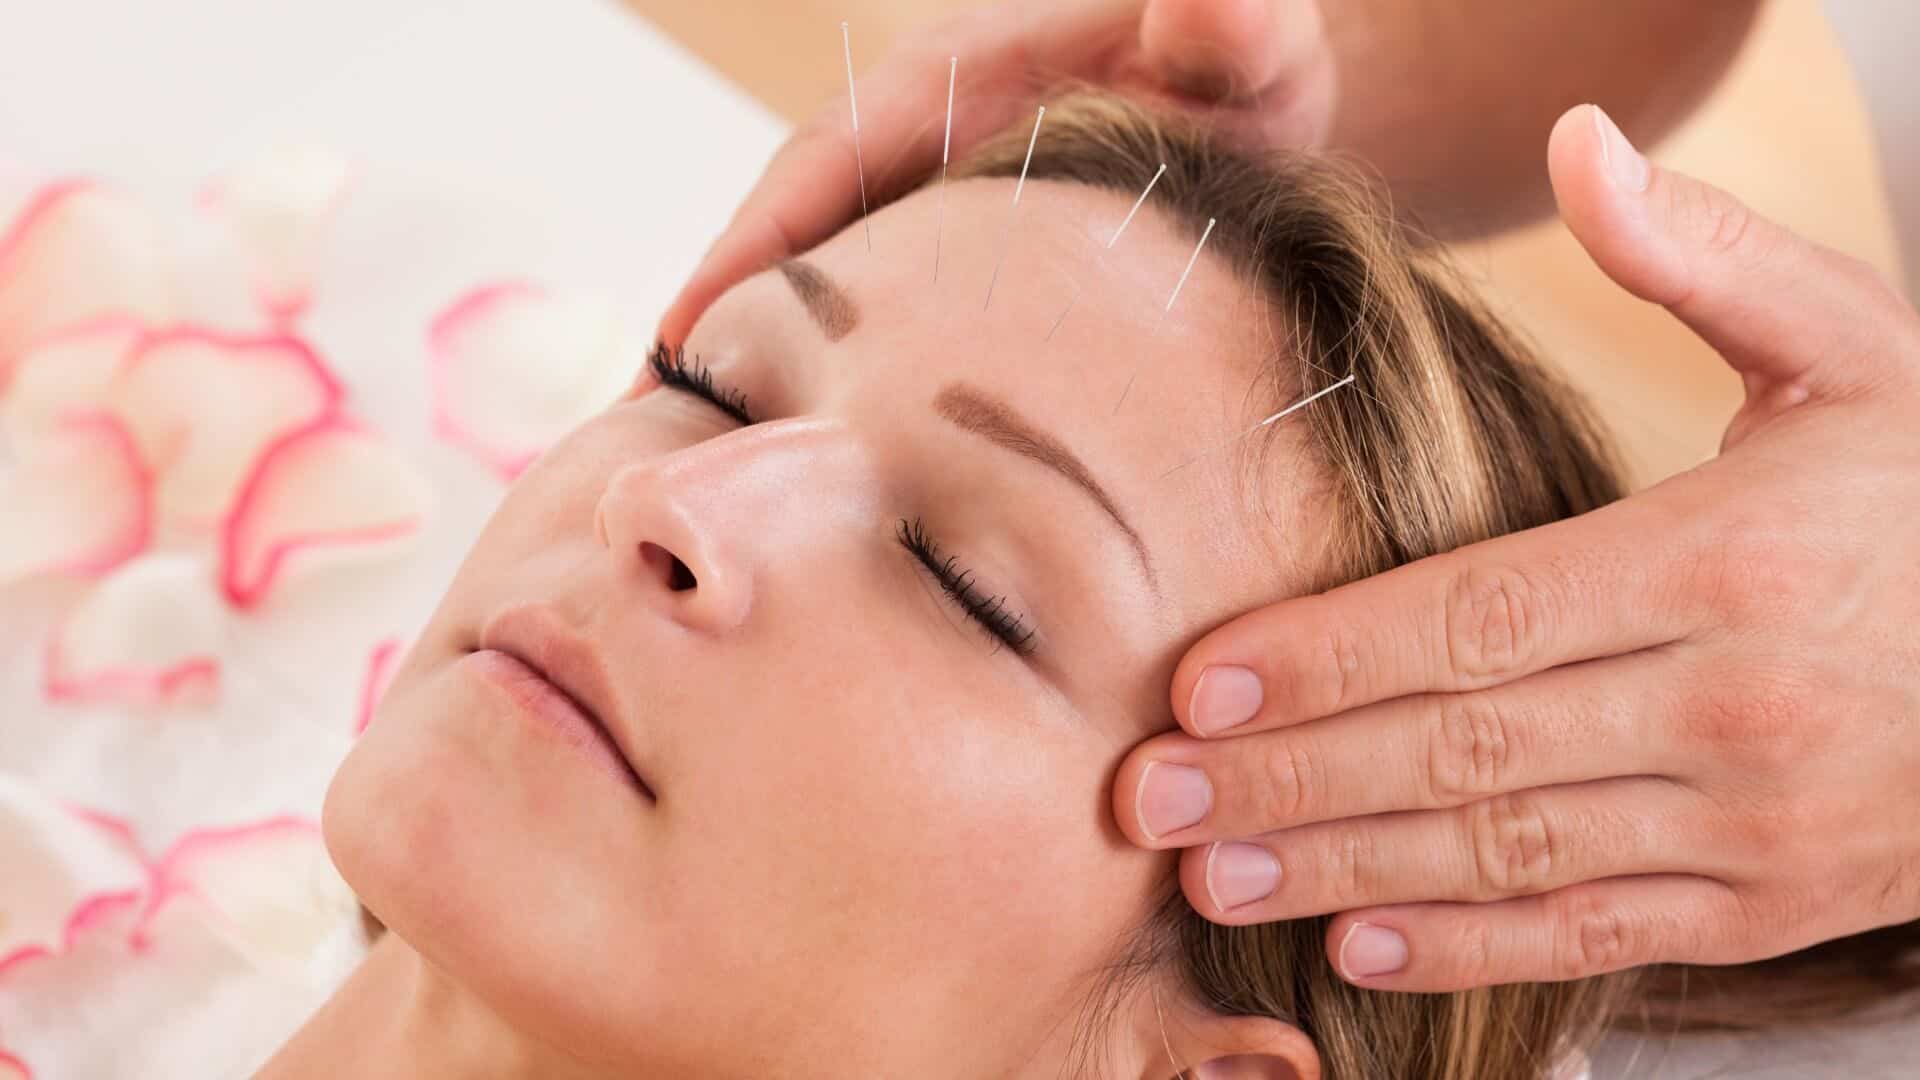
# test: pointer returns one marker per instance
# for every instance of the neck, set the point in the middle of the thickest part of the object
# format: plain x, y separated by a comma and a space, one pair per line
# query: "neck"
397, 1016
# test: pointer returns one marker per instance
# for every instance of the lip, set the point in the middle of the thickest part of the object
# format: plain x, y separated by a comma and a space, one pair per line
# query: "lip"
540, 639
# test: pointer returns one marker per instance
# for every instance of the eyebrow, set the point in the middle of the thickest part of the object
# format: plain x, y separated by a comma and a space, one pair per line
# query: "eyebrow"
974, 411
832, 309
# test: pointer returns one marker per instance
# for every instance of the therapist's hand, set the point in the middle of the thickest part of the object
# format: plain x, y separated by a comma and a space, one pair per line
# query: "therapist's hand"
1259, 69
1682, 728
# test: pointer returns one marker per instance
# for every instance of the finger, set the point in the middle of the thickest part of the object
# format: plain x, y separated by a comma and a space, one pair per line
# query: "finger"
1607, 582
1572, 933
1512, 845
812, 186
1229, 49
1588, 721
1772, 303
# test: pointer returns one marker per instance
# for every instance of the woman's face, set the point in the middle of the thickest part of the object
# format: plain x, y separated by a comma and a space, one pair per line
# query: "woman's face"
878, 838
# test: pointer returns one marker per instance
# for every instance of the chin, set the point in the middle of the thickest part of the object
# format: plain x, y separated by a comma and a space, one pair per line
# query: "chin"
497, 863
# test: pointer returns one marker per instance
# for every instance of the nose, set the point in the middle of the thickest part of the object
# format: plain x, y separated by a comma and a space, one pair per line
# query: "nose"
696, 529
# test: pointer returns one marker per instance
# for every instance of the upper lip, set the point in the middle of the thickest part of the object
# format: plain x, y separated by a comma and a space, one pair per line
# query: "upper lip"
539, 638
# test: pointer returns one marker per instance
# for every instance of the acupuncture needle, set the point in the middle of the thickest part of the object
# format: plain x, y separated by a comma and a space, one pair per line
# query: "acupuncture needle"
1171, 297
946, 147
846, 47
1101, 260
1275, 418
1013, 213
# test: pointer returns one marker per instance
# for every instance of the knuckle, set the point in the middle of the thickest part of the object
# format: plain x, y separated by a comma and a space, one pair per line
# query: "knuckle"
1330, 677
1470, 749
1354, 878
1730, 226
1769, 725
1288, 784
1780, 728
1470, 951
1514, 846
1716, 715
1493, 622
1726, 225
1592, 939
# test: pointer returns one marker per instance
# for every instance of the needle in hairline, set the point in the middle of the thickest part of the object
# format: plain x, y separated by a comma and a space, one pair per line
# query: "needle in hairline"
940, 220
1276, 417
1100, 260
1006, 235
1171, 297
846, 47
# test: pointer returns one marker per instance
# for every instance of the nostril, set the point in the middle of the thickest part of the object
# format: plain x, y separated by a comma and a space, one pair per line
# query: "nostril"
678, 576
682, 577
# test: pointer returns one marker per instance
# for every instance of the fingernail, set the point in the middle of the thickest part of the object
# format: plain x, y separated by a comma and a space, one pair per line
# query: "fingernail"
1625, 164
1171, 797
1371, 950
1240, 874
1224, 697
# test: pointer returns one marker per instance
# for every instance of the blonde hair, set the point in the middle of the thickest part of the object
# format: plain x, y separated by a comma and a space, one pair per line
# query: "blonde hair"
1452, 433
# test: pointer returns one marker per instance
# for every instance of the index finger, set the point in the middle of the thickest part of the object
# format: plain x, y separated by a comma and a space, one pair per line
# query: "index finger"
813, 185
1608, 582
810, 189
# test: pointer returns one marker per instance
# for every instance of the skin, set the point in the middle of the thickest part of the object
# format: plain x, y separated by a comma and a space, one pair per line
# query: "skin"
1403, 84
880, 842
1683, 729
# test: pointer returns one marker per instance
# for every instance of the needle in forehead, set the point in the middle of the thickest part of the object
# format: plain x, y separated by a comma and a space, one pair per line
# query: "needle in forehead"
1006, 237
940, 219
846, 47
1191, 259
1171, 297
1128, 220
1101, 260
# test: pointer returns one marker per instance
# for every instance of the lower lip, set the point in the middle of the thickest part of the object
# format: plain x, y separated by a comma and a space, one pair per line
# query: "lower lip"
553, 709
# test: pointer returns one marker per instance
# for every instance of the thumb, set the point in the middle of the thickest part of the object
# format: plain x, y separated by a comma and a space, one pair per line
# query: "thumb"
1229, 49
1796, 319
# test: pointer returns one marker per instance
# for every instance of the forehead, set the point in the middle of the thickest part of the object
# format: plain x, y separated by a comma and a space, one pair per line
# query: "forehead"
1192, 378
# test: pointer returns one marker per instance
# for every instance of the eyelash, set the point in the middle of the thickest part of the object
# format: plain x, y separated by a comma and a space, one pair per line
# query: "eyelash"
672, 369
990, 612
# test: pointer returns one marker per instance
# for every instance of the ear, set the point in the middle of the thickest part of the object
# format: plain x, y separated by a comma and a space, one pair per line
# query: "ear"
1207, 1045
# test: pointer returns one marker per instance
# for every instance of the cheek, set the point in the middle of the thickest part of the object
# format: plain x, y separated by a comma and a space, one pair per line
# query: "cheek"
908, 814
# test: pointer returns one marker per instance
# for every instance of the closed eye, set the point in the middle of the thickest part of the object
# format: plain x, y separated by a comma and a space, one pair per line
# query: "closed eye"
985, 610
673, 369
989, 612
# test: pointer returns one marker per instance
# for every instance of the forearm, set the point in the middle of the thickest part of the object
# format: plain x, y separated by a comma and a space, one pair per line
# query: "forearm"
1452, 100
